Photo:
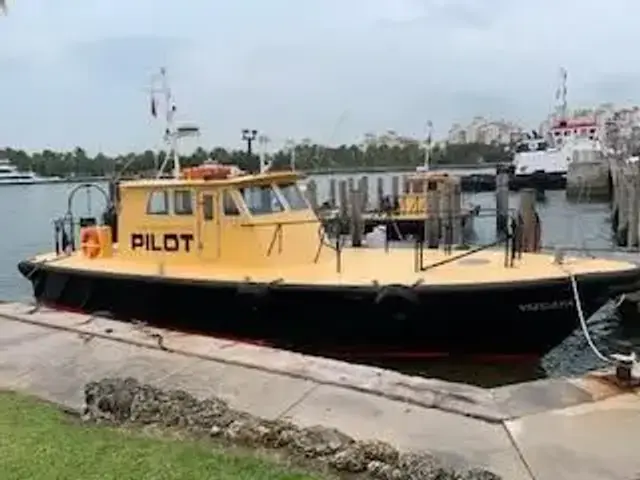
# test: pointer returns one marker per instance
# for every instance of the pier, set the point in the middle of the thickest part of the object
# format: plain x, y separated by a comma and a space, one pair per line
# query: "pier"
355, 207
576, 428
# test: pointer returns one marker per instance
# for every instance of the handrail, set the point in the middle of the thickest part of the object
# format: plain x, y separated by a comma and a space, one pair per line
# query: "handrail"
280, 222
277, 234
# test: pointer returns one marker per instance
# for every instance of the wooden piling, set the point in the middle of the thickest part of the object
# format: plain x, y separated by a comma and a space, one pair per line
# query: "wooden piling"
332, 193
432, 218
356, 219
450, 212
456, 211
446, 213
312, 194
502, 200
624, 204
395, 188
343, 203
380, 192
633, 214
530, 228
363, 187
350, 184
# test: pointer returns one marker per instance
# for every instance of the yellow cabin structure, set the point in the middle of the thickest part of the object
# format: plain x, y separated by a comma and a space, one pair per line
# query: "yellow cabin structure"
241, 220
414, 201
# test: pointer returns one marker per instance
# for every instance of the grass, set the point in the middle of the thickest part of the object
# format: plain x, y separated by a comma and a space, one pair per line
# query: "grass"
39, 441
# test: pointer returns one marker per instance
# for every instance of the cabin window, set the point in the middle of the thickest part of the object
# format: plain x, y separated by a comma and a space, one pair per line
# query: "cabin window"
182, 202
261, 200
229, 205
158, 203
293, 196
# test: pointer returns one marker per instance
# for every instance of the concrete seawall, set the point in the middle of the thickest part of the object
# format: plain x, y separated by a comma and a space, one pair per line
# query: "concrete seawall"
585, 428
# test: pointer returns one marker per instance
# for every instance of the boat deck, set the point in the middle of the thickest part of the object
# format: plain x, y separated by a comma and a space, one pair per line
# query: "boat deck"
360, 267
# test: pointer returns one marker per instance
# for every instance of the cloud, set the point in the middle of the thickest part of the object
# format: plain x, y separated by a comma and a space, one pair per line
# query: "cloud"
76, 72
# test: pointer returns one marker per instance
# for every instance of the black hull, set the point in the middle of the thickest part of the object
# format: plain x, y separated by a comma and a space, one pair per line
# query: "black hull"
539, 181
527, 319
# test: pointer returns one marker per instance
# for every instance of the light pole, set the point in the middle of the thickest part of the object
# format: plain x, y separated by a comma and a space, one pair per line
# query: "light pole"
263, 140
249, 136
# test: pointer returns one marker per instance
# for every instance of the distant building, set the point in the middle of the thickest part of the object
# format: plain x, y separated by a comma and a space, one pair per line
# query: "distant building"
481, 130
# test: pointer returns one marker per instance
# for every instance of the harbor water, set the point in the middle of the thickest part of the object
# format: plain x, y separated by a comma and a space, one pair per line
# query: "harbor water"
28, 211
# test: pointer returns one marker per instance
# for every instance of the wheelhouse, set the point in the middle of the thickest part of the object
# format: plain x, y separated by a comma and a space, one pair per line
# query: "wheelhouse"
242, 219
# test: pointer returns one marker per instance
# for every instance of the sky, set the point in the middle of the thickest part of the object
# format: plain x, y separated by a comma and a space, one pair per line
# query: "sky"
78, 72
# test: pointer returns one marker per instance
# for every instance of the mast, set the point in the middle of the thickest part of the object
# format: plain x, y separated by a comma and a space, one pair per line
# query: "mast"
160, 87
561, 95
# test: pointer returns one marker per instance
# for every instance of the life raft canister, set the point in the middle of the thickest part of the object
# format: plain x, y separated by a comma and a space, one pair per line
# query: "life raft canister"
90, 242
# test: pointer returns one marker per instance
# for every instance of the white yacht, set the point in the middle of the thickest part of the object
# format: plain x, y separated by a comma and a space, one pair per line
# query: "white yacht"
10, 175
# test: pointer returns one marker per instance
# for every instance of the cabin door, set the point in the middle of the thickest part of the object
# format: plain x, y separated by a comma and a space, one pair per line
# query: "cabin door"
209, 225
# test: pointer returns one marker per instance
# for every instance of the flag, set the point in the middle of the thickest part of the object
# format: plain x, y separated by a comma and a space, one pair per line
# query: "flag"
154, 110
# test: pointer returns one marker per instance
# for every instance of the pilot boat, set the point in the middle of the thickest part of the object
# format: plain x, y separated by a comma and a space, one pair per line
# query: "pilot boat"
243, 255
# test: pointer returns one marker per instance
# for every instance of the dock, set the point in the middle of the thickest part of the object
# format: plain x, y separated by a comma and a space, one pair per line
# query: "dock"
580, 428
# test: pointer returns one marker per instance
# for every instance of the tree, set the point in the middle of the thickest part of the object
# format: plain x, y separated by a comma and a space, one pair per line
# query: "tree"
389, 152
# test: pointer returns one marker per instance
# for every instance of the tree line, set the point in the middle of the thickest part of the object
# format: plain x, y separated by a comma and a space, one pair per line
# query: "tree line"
308, 157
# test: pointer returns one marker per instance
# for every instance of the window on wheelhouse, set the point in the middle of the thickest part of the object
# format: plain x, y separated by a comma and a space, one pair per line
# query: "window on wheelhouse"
261, 200
229, 205
293, 196
183, 202
158, 203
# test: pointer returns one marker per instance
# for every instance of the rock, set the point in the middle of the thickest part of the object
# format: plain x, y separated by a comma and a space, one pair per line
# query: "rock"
423, 466
357, 456
318, 441
120, 401
376, 450
110, 399
383, 471
478, 474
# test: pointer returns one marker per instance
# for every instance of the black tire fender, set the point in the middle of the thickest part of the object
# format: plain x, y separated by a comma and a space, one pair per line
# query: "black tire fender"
397, 300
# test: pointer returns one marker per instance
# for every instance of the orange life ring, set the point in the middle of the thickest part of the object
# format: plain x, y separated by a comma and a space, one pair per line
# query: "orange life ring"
90, 242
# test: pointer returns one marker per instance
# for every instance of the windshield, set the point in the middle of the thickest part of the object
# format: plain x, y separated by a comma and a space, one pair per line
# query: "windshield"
261, 200
293, 196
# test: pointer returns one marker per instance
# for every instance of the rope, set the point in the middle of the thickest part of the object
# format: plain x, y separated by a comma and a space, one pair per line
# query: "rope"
583, 320
611, 359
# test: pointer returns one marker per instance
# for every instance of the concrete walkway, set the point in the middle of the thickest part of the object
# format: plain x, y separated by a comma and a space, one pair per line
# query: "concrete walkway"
548, 430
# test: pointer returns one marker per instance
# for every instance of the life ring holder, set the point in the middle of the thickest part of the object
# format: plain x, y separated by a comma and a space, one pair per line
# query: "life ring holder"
90, 242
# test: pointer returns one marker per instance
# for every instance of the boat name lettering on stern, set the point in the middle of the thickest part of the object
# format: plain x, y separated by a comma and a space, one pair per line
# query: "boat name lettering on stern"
545, 306
168, 242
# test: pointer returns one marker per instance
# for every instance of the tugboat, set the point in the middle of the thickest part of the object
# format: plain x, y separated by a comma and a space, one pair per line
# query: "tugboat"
242, 255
